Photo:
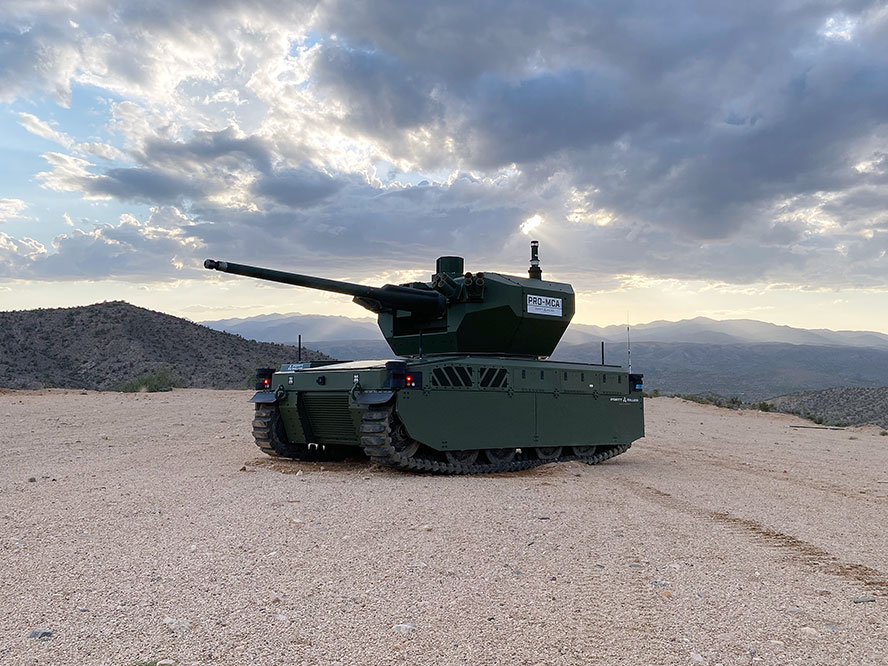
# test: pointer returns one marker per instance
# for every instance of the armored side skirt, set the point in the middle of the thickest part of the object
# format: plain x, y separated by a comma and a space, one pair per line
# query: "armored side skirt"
466, 403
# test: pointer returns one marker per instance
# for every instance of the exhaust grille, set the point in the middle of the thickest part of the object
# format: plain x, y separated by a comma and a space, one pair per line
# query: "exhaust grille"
494, 378
452, 375
329, 418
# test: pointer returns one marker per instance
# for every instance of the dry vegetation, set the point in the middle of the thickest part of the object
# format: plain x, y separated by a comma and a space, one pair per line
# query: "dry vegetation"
838, 406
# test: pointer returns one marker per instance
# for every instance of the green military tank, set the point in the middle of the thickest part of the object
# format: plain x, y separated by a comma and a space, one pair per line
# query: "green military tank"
471, 391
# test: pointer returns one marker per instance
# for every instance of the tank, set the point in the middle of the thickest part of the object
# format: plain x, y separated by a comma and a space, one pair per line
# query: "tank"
469, 388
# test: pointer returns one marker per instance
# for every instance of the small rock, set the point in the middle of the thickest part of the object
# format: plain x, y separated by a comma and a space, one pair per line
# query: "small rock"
366, 478
864, 600
280, 617
41, 634
176, 624
83, 609
299, 472
666, 594
426, 528
637, 566
243, 469
809, 632
165, 662
32, 479
404, 628
776, 642
697, 657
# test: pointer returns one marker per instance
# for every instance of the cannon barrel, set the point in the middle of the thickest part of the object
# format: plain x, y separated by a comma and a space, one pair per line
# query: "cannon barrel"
390, 297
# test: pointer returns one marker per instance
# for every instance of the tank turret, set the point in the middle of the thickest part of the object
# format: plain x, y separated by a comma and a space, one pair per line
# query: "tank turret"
456, 311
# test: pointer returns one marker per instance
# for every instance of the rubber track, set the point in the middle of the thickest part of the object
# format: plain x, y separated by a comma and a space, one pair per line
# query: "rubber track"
267, 439
382, 447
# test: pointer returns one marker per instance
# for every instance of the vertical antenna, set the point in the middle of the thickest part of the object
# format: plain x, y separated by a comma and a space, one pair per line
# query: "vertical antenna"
628, 344
602, 352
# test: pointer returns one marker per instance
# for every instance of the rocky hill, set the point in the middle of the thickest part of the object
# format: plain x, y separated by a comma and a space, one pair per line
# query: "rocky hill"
105, 345
838, 406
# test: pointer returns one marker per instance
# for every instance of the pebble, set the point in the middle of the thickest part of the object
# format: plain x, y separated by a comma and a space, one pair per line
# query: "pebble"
298, 472
176, 624
41, 634
810, 632
697, 657
165, 662
32, 479
405, 628
864, 600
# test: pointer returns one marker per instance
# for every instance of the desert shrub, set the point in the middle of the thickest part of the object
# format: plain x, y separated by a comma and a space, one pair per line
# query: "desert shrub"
764, 407
884, 433
161, 379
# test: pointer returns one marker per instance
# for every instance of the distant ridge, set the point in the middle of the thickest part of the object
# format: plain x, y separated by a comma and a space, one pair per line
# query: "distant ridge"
105, 345
284, 328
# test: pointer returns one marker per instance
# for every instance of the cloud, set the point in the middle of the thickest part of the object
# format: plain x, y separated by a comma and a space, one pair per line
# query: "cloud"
298, 188
43, 129
151, 250
708, 143
11, 209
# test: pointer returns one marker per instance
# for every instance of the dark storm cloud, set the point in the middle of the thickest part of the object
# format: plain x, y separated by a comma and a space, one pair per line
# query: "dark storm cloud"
298, 188
140, 184
223, 147
536, 117
381, 94
698, 119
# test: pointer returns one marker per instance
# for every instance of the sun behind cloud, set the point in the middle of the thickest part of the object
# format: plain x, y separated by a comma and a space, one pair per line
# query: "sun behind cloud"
530, 224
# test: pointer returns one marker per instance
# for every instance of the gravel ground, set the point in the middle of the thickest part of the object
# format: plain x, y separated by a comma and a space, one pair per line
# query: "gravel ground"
722, 538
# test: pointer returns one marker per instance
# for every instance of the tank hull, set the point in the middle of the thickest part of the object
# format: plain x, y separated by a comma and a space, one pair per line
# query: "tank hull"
462, 403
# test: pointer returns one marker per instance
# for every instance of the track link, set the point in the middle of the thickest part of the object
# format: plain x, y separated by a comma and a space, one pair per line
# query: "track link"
386, 442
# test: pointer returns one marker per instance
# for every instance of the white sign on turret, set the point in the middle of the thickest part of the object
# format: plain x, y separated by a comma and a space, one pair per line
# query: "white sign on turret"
544, 305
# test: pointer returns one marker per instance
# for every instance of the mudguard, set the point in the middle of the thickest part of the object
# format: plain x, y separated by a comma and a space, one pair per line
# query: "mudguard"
264, 397
373, 397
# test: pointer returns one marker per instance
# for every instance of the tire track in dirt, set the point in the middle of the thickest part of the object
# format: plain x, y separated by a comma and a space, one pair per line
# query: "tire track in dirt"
797, 550
744, 467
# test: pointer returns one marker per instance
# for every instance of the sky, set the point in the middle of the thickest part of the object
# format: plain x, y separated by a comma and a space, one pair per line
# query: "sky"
721, 159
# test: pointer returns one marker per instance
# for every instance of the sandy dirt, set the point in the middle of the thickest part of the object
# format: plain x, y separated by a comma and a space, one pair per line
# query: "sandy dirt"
722, 538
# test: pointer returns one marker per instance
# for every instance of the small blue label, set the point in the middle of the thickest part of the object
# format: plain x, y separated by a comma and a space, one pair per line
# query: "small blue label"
293, 367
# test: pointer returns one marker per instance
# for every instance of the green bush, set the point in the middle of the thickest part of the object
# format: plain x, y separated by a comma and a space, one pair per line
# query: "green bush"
764, 407
884, 433
161, 379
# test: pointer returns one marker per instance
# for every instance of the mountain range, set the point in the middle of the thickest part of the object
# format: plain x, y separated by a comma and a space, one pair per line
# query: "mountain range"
751, 359
284, 328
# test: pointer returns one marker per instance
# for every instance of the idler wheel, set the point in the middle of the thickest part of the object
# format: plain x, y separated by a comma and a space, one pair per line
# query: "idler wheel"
461, 457
548, 452
402, 442
500, 456
583, 451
